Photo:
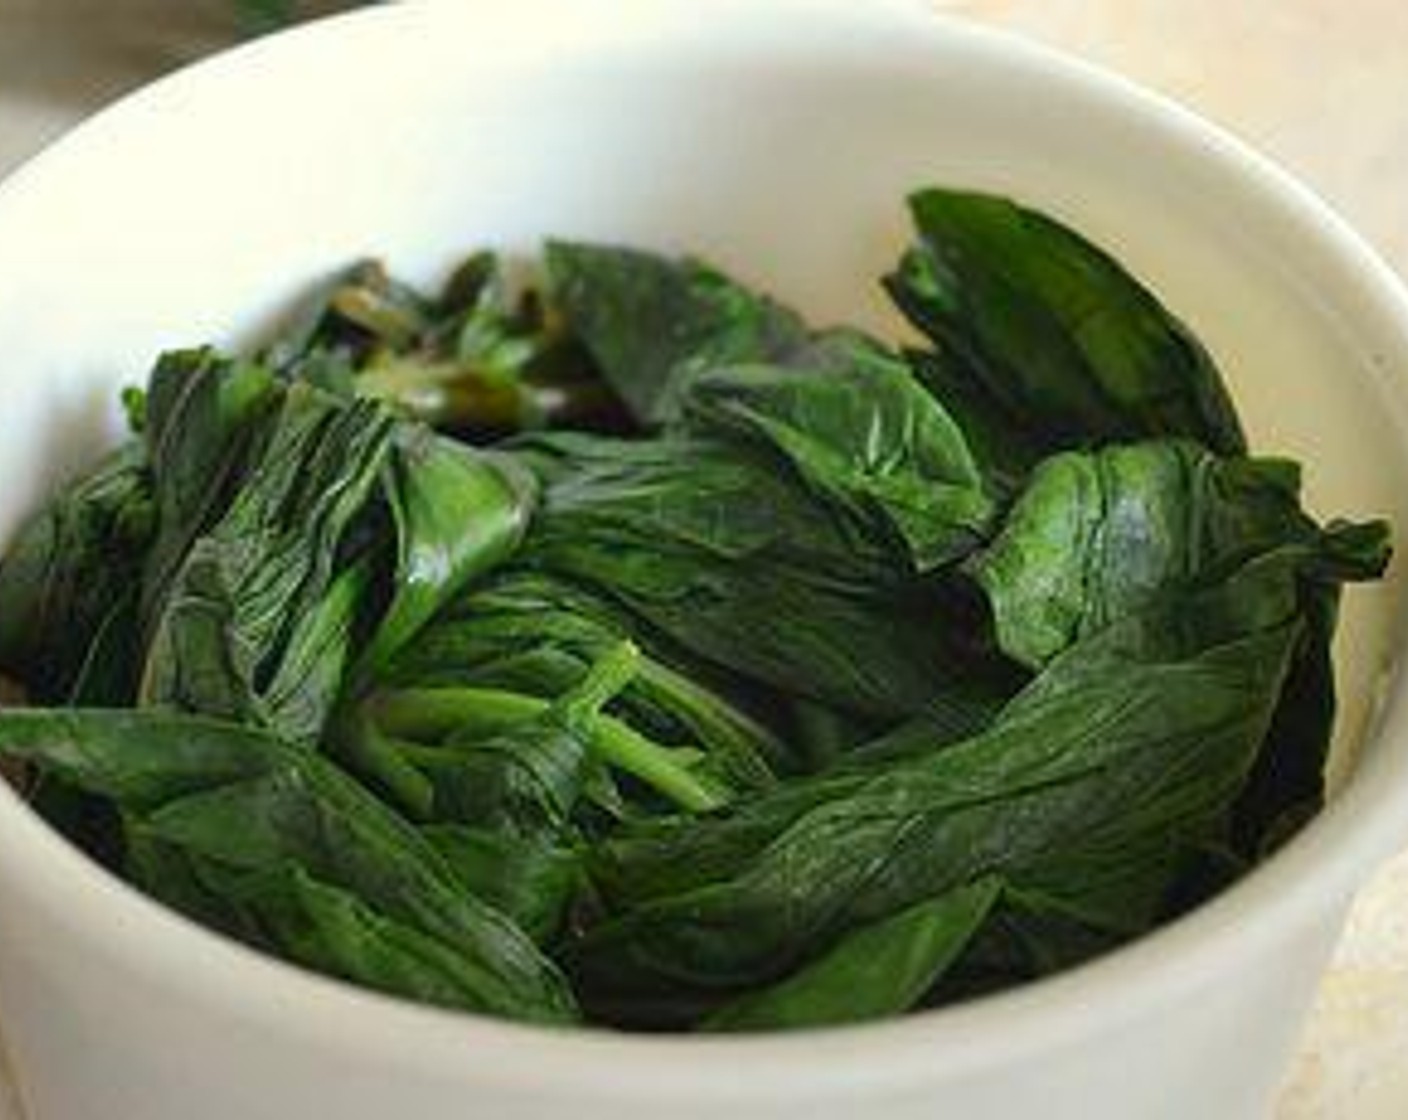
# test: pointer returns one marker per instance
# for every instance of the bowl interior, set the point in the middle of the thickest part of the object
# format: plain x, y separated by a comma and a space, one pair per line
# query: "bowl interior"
781, 148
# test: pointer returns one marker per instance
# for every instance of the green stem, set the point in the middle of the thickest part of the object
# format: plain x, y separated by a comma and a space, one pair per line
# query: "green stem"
747, 747
359, 741
624, 747
432, 713
427, 714
604, 679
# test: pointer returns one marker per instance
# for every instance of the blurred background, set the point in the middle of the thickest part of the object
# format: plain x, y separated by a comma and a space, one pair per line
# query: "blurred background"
1320, 85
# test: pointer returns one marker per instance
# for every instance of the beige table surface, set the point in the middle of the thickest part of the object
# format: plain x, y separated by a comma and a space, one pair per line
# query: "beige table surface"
1322, 85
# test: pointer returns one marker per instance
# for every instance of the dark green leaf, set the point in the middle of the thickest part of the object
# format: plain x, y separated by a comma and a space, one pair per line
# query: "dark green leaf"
240, 804
458, 513
256, 625
1286, 787
745, 569
67, 585
203, 412
876, 970
1096, 534
335, 931
862, 434
1051, 333
531, 880
651, 323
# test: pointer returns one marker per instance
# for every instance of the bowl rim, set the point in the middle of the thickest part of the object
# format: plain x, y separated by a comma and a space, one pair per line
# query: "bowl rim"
1325, 861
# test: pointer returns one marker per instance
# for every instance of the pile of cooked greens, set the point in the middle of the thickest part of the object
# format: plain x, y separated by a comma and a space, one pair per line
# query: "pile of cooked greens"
628, 650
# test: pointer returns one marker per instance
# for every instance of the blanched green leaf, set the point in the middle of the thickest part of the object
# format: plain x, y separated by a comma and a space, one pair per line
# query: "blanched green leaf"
241, 804
335, 931
1286, 787
651, 323
1051, 333
229, 640
68, 585
204, 413
458, 513
175, 877
170, 757
1004, 451
1096, 534
531, 880
877, 970
744, 568
863, 435
314, 662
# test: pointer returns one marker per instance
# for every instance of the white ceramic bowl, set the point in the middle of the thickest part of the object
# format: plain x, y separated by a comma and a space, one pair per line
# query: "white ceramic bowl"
779, 139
